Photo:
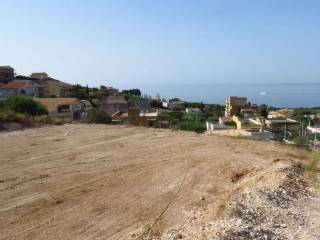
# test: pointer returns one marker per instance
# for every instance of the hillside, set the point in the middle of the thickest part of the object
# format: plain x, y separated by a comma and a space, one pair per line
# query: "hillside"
112, 182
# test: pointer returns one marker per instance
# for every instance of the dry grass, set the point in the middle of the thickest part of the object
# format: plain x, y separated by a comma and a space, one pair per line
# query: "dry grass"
45, 119
300, 154
312, 167
153, 231
10, 116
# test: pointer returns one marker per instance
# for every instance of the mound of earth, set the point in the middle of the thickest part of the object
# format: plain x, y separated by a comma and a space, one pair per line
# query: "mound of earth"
274, 203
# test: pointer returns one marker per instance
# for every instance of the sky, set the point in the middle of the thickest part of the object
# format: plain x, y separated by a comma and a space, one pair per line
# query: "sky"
149, 42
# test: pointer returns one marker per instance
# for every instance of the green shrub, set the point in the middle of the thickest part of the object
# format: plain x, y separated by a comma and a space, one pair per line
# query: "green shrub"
213, 119
80, 94
192, 126
23, 104
97, 115
176, 115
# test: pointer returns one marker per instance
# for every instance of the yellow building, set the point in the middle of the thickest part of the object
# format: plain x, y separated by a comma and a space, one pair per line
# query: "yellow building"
234, 105
62, 107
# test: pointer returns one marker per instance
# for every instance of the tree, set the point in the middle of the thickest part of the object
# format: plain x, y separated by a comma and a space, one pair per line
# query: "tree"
135, 92
87, 90
263, 110
80, 94
176, 115
201, 106
155, 103
23, 104
96, 115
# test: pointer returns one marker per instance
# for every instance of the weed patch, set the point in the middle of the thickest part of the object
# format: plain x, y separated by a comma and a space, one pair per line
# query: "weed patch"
312, 165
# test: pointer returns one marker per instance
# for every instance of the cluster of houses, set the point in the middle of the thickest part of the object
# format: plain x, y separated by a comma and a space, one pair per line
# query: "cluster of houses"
241, 115
55, 95
179, 105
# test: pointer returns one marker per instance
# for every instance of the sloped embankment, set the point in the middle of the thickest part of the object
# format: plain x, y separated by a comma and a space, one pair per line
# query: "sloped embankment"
272, 204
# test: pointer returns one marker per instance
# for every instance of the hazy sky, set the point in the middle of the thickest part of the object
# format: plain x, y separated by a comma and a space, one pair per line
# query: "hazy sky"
134, 42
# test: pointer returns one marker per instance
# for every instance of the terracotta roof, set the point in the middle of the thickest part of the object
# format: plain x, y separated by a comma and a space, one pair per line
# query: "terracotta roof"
52, 103
15, 85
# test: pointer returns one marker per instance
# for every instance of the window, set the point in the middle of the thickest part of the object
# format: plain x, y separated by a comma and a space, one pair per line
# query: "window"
63, 108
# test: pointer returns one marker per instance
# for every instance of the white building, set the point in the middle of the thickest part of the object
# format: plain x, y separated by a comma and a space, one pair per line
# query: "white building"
313, 129
193, 110
174, 105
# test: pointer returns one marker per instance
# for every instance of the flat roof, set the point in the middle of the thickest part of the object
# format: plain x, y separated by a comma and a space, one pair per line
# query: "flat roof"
51, 103
281, 121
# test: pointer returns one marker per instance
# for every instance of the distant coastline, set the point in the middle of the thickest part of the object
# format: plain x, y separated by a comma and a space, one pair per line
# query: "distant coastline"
275, 94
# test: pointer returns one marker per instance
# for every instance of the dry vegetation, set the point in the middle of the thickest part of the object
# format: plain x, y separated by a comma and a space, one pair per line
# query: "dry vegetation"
116, 182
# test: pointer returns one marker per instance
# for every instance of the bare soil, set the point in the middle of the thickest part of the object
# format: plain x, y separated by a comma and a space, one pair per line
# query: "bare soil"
110, 182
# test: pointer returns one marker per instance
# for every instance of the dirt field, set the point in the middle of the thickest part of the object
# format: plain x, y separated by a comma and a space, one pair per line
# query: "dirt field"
105, 182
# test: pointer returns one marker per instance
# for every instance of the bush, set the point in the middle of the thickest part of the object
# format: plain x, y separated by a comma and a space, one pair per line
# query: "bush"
97, 115
193, 126
22, 104
176, 115
213, 119
80, 94
197, 127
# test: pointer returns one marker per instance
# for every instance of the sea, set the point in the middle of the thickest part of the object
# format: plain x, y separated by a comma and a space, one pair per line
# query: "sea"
278, 95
